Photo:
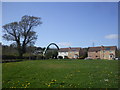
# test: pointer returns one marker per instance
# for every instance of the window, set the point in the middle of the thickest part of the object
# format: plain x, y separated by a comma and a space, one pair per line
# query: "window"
71, 52
107, 49
110, 51
73, 49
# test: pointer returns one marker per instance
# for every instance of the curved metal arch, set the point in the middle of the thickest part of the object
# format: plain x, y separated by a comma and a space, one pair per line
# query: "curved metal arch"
44, 52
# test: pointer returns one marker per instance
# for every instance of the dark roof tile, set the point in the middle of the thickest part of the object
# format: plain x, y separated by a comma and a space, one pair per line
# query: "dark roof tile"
69, 49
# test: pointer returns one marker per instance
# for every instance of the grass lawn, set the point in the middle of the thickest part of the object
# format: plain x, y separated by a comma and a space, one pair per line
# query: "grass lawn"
60, 74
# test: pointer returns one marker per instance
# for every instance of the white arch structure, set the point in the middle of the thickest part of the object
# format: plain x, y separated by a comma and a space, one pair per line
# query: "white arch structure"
44, 52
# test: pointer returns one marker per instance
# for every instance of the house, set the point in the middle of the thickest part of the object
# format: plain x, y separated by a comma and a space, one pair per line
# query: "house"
102, 52
72, 53
63, 52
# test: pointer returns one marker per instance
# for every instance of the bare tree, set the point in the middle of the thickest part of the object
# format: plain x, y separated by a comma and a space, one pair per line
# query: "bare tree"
22, 32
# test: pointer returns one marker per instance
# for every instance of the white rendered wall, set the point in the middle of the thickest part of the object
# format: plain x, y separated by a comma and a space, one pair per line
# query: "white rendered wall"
63, 54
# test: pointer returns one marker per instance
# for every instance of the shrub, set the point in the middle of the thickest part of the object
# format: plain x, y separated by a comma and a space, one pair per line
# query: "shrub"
10, 57
66, 57
82, 57
39, 57
60, 57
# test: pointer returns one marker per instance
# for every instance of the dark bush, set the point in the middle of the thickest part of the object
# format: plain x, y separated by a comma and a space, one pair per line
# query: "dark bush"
60, 57
9, 57
39, 57
66, 57
82, 57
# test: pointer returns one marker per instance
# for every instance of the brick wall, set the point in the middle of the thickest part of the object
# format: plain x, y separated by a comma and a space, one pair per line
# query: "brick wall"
106, 54
71, 54
102, 54
94, 55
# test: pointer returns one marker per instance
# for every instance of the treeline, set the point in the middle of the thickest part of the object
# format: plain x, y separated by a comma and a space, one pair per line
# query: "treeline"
32, 53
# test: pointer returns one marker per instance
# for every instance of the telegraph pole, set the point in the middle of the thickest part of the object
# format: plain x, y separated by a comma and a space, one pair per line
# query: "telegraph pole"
93, 44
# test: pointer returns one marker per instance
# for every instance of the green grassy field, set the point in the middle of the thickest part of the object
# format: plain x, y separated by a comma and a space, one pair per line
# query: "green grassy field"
60, 74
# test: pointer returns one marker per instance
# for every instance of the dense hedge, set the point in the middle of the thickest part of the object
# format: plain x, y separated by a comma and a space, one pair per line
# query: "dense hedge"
9, 57
12, 58
4, 57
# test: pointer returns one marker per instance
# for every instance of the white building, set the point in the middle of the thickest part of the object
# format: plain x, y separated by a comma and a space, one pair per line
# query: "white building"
71, 53
63, 52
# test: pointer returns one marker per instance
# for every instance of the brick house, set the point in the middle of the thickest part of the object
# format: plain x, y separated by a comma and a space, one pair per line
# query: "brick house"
72, 53
102, 52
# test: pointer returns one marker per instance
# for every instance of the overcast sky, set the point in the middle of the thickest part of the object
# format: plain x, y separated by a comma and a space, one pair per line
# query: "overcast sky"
75, 24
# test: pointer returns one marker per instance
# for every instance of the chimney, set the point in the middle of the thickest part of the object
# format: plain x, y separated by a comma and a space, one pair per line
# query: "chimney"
102, 47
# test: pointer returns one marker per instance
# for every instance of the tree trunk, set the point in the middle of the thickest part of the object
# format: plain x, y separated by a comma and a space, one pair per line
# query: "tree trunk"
24, 49
21, 55
20, 52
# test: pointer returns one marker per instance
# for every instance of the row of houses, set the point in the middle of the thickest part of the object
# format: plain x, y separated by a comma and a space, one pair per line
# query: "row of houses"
100, 52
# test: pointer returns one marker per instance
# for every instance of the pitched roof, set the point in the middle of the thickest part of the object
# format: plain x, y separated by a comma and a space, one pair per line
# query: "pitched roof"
75, 49
92, 49
63, 49
69, 49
